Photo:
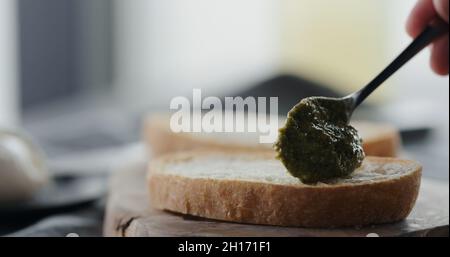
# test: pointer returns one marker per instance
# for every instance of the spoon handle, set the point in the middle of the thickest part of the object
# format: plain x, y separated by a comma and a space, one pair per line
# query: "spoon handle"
430, 33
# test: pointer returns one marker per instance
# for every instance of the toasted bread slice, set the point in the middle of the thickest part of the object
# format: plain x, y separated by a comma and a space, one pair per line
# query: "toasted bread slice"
378, 139
255, 188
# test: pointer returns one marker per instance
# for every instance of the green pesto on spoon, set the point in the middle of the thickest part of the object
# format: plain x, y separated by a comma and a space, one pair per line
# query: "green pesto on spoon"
317, 143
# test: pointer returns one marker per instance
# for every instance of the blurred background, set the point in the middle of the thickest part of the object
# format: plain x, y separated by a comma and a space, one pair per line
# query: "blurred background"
78, 75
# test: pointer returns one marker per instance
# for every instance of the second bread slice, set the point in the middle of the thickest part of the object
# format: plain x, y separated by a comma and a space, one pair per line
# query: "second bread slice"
378, 139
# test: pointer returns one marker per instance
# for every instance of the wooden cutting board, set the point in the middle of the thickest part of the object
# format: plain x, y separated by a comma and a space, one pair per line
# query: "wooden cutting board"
129, 214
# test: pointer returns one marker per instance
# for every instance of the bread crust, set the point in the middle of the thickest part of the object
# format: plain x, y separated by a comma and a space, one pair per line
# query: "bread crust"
386, 142
160, 140
320, 206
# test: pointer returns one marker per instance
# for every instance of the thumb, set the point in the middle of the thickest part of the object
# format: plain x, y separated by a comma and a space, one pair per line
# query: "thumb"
441, 7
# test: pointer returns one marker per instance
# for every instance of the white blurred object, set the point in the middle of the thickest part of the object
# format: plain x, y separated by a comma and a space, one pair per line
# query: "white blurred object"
22, 168
8, 64
99, 161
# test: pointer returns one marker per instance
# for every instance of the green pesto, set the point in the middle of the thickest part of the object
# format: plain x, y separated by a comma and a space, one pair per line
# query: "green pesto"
317, 143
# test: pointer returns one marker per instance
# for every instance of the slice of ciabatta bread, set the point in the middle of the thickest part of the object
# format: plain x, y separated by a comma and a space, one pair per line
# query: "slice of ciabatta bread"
378, 139
255, 188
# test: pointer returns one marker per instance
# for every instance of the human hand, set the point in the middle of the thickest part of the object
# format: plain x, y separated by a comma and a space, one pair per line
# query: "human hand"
422, 14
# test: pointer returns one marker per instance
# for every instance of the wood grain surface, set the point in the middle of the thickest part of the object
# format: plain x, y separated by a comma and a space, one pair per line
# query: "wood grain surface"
129, 214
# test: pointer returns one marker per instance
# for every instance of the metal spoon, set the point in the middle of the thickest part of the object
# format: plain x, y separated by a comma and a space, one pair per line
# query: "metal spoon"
429, 34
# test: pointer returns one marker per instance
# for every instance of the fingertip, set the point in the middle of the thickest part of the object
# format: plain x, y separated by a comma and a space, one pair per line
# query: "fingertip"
441, 7
439, 70
422, 13
412, 31
410, 27
439, 56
